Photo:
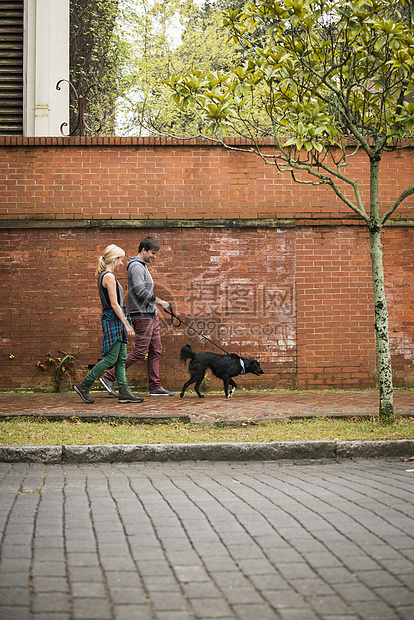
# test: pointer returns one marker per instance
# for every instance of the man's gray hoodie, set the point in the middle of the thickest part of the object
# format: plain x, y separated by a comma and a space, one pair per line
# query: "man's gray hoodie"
140, 289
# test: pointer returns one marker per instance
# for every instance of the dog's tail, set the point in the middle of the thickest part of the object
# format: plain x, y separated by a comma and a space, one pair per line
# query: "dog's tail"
186, 353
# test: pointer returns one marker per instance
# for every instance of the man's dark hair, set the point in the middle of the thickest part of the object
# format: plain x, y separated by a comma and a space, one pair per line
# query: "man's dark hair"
149, 243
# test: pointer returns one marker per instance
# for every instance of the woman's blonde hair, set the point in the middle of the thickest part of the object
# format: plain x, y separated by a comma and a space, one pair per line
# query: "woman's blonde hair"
111, 253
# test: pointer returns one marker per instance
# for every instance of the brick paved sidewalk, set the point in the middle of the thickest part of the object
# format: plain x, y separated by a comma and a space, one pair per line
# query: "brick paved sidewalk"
197, 541
253, 406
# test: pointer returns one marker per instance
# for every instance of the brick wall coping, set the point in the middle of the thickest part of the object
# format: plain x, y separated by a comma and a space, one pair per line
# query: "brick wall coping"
141, 141
192, 223
122, 141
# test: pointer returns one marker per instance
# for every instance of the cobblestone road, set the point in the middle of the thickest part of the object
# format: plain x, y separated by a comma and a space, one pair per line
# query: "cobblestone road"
199, 540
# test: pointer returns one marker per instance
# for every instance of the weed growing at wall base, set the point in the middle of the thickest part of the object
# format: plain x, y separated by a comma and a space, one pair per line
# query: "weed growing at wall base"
62, 367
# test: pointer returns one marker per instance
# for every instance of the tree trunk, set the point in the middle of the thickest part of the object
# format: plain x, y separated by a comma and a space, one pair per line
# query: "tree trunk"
386, 408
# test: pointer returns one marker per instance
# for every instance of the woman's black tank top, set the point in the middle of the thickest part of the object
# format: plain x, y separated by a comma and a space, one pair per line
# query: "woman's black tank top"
104, 296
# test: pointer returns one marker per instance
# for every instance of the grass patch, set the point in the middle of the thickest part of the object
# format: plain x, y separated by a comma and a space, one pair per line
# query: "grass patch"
39, 431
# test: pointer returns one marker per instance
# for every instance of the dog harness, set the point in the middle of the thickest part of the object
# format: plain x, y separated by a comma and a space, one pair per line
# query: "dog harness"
243, 369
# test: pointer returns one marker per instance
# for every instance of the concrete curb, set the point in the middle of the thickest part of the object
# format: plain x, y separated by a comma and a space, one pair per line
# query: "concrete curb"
246, 451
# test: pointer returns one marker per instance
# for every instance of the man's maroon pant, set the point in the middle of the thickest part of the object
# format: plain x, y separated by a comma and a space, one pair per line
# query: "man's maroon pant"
147, 340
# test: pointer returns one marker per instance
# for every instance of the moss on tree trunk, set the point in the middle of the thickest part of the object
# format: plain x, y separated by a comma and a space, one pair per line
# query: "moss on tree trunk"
386, 408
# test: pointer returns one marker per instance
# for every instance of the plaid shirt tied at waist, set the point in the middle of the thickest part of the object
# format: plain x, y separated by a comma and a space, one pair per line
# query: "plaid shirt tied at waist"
113, 330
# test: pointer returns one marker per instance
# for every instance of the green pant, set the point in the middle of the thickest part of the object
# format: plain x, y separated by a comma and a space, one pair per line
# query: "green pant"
116, 356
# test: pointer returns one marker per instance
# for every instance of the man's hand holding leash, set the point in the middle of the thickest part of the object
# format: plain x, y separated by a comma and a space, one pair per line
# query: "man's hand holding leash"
160, 302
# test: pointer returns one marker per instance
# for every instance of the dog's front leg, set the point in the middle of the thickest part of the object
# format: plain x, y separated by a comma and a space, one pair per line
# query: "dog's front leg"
233, 387
185, 386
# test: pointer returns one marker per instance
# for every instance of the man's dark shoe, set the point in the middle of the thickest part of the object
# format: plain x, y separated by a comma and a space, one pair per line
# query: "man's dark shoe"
126, 396
109, 385
82, 389
161, 392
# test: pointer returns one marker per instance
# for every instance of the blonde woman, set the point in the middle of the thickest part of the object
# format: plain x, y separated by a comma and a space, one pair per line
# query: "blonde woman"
115, 325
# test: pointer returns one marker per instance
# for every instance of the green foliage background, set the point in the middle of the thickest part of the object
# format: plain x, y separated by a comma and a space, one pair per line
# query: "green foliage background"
132, 48
95, 52
163, 39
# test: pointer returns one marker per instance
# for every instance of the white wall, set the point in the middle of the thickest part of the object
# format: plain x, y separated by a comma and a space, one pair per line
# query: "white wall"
46, 61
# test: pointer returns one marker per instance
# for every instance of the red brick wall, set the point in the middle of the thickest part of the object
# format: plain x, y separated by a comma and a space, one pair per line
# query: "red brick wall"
399, 271
336, 340
297, 296
236, 287
142, 178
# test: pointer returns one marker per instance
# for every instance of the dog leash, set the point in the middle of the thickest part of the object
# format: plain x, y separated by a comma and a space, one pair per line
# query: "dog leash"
180, 322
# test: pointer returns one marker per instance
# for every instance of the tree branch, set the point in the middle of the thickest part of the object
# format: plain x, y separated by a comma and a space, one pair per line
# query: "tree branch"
407, 192
292, 164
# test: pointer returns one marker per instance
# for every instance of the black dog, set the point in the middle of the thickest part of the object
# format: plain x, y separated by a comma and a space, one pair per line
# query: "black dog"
223, 366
